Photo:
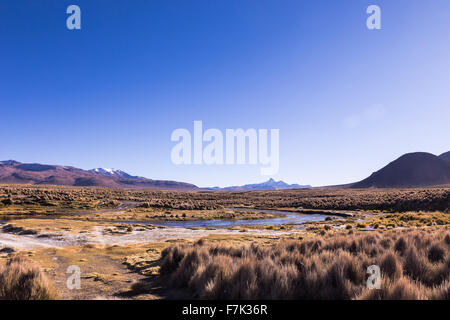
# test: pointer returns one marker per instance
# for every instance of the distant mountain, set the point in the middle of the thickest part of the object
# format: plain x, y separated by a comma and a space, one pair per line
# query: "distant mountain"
270, 184
445, 156
417, 169
13, 172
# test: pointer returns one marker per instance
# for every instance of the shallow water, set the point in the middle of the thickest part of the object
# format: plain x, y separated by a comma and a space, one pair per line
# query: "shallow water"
179, 230
284, 218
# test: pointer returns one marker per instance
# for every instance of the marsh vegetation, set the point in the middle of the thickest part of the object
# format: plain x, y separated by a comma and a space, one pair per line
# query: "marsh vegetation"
109, 233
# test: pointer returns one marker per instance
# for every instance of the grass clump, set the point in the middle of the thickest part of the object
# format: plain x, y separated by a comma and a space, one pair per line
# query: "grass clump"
413, 264
21, 280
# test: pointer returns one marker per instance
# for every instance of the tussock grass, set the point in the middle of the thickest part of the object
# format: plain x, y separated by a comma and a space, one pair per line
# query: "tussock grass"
21, 280
414, 265
27, 199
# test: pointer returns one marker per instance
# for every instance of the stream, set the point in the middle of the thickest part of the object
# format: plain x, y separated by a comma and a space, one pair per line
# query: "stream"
284, 218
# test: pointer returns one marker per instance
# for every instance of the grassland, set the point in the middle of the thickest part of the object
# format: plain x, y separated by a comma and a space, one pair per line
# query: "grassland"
48, 200
405, 231
414, 265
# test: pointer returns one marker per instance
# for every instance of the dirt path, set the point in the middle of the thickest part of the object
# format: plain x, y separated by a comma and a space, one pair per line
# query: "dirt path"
102, 276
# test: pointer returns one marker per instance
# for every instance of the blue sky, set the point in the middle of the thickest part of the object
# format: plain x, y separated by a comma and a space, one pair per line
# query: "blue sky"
347, 100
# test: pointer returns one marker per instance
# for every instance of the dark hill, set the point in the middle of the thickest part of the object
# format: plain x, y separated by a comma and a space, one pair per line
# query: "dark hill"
418, 169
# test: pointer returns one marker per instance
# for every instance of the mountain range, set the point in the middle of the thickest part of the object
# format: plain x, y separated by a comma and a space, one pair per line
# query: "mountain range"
13, 172
418, 169
270, 184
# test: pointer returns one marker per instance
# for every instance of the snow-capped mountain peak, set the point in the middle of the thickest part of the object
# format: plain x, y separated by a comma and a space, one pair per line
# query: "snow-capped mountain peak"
103, 170
270, 184
111, 172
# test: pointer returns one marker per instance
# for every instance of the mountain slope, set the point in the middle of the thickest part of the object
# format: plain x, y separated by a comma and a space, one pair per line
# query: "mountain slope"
417, 169
268, 185
445, 156
13, 172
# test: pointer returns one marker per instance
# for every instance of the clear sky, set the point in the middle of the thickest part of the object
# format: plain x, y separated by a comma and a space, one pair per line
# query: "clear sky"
347, 100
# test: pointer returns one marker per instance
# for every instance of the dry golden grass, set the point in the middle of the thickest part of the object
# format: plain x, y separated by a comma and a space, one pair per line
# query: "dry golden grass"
409, 219
414, 265
21, 280
157, 214
45, 200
